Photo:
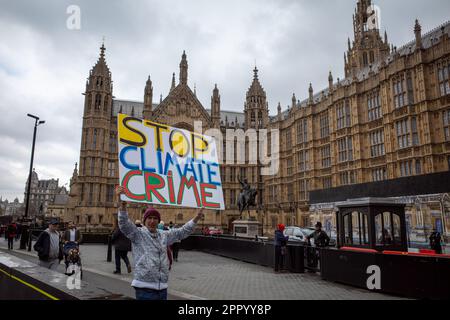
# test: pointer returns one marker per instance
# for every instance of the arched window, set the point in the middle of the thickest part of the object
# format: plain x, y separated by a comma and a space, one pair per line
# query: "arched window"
94, 140
98, 101
365, 59
89, 103
372, 57
105, 104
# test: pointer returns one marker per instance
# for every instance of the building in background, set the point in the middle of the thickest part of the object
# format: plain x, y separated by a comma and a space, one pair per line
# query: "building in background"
14, 209
42, 195
387, 119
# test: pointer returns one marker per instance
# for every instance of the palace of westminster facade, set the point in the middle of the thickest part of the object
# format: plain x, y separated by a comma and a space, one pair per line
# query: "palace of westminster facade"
389, 118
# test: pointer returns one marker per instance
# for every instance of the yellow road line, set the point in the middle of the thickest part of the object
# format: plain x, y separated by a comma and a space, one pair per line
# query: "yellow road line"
30, 285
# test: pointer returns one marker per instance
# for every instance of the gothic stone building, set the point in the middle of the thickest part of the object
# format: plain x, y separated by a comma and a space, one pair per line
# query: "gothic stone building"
388, 118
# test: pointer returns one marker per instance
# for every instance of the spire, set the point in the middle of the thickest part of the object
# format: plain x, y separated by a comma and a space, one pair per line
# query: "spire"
294, 101
418, 33
148, 99
195, 89
173, 82
101, 68
160, 98
102, 50
74, 175
183, 69
311, 94
330, 81
385, 37
255, 73
215, 107
279, 111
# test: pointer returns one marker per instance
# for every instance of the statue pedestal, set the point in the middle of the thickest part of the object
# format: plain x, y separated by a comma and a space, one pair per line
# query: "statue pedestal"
246, 228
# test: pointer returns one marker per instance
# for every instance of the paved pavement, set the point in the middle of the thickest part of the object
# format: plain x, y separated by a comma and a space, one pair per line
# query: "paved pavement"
198, 275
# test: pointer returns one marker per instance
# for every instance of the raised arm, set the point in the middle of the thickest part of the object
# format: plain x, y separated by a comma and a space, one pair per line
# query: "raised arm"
178, 234
127, 227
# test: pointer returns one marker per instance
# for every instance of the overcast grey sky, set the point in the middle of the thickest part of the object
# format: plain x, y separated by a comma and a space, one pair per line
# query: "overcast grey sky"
44, 65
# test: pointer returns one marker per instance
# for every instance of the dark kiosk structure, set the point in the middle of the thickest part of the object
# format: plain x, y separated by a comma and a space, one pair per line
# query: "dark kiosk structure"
372, 223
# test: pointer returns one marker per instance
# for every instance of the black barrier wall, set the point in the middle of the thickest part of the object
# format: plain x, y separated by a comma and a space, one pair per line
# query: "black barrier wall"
256, 252
404, 275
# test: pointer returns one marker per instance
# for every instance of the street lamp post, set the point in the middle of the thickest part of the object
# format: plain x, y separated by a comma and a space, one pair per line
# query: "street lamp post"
24, 237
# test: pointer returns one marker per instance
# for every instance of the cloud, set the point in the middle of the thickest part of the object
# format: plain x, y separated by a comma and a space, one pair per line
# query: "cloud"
44, 65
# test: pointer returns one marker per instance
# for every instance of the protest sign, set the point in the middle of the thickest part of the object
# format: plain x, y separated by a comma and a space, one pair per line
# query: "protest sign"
163, 165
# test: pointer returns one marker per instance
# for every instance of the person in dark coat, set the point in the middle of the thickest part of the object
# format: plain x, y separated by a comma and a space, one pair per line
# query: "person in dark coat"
11, 232
48, 247
121, 247
280, 247
19, 231
321, 240
435, 242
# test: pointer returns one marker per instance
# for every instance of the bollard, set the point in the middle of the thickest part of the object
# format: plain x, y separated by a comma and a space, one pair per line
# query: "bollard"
109, 257
30, 239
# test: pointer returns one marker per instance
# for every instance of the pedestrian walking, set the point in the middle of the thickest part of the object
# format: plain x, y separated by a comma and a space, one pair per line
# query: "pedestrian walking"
18, 231
121, 247
48, 247
11, 232
280, 247
436, 241
151, 271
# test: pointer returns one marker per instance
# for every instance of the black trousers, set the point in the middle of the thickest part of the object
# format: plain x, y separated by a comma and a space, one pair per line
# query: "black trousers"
175, 249
279, 259
121, 254
10, 242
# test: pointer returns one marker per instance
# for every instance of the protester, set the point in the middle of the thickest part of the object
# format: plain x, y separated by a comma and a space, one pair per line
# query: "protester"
48, 247
436, 241
280, 247
151, 271
121, 247
11, 232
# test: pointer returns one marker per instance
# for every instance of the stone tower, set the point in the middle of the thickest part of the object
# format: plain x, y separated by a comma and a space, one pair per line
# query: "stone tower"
368, 47
96, 148
256, 113
255, 109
